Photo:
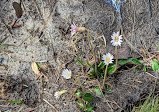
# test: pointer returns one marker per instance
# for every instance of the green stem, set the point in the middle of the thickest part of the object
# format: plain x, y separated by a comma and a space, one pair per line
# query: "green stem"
105, 75
116, 56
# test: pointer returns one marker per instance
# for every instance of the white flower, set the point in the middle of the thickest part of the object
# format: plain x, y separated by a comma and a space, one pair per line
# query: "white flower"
56, 94
66, 73
116, 39
59, 93
108, 58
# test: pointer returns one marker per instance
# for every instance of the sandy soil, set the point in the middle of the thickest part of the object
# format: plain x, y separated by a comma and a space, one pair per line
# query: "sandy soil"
45, 38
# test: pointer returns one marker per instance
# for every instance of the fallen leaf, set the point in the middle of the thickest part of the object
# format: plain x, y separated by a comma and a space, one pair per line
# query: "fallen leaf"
18, 9
35, 68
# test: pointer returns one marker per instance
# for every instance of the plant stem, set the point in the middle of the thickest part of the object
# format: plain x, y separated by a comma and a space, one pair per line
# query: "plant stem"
79, 82
92, 50
89, 39
95, 63
116, 56
105, 75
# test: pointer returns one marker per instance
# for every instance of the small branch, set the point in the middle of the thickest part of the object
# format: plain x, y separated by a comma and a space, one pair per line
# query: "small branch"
8, 28
152, 75
31, 109
50, 105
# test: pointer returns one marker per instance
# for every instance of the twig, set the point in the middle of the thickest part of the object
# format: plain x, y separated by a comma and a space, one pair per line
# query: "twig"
21, 107
31, 109
46, 22
8, 51
128, 42
24, 7
152, 75
51, 105
24, 40
37, 8
130, 85
8, 28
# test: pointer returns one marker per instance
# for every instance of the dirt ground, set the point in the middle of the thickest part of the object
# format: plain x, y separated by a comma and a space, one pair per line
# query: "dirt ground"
44, 37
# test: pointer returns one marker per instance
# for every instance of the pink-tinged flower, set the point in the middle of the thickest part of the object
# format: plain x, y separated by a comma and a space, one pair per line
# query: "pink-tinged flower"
73, 29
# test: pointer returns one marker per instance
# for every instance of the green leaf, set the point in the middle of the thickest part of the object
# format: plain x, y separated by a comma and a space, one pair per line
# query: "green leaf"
88, 97
80, 62
14, 101
100, 70
25, 85
136, 61
37, 64
98, 92
155, 65
92, 72
92, 76
109, 91
101, 65
80, 104
89, 64
79, 93
144, 69
124, 61
88, 107
111, 69
108, 88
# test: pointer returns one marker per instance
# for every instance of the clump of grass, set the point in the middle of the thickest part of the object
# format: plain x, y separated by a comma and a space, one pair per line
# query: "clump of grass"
150, 105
